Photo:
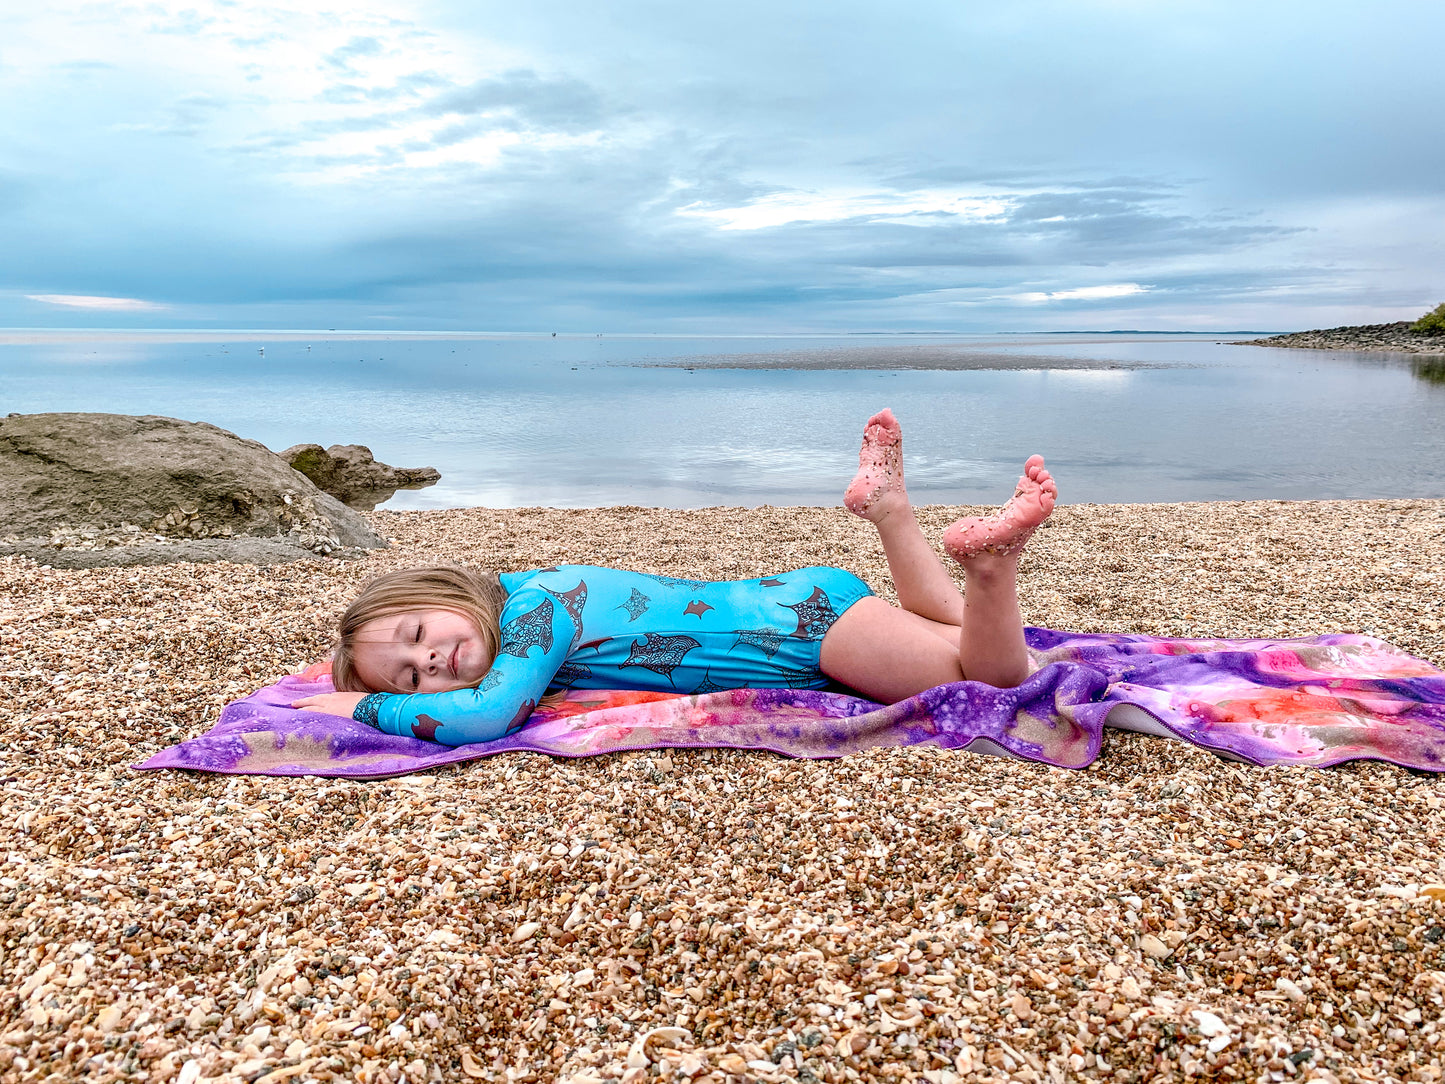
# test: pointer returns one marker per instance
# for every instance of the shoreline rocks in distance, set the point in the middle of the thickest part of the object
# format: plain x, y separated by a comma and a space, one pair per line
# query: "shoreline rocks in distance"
1399, 338
86, 489
351, 474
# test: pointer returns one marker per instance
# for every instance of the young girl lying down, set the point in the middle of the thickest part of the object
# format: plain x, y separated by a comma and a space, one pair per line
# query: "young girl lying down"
454, 657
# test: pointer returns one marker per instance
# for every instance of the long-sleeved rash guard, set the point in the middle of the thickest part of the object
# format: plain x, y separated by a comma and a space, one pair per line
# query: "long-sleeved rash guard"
584, 627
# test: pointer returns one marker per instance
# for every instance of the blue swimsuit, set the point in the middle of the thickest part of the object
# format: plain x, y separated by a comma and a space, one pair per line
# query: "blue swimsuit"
584, 627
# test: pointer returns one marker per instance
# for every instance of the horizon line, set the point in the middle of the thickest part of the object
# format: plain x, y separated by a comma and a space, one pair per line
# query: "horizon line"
375, 333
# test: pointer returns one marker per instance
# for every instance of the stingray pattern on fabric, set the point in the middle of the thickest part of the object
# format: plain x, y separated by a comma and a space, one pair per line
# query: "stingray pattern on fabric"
660, 654
765, 640
1316, 701
529, 630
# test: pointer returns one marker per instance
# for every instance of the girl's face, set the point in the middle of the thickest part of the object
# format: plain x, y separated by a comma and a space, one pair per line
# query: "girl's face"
420, 651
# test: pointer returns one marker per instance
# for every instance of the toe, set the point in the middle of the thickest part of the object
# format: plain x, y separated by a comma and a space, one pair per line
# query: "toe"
883, 428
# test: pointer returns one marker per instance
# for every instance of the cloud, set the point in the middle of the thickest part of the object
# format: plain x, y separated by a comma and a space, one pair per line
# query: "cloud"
919, 207
556, 103
643, 165
187, 116
356, 48
102, 304
1085, 293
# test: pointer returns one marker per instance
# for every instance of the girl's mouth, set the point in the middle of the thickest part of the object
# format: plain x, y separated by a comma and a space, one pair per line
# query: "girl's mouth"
452, 662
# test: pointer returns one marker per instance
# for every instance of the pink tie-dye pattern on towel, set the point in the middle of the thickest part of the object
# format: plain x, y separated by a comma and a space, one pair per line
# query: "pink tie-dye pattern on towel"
1316, 701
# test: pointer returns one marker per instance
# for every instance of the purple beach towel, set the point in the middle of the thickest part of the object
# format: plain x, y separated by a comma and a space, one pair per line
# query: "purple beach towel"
1315, 701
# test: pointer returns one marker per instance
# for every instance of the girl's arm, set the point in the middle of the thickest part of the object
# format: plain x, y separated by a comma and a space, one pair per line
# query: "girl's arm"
342, 704
535, 643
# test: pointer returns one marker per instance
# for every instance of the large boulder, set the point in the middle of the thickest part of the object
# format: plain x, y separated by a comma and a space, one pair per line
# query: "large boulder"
129, 489
350, 473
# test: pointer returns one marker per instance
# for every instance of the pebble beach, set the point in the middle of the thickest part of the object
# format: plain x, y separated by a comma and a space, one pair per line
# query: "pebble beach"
691, 915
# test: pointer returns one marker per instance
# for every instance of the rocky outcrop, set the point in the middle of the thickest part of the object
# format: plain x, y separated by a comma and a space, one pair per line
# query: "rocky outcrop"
350, 473
142, 490
1399, 338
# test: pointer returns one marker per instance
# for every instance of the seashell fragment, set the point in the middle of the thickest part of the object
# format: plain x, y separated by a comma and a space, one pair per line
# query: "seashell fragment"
734, 1064
1209, 1024
1289, 989
1154, 947
1399, 892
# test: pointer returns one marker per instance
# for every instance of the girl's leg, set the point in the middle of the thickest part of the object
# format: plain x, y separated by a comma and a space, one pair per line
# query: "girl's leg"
889, 654
991, 646
877, 494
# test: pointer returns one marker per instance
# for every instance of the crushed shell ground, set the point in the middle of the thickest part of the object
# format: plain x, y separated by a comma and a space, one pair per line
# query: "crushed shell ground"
899, 915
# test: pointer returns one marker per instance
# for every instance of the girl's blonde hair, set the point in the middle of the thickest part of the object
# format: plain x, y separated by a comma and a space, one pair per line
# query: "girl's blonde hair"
478, 598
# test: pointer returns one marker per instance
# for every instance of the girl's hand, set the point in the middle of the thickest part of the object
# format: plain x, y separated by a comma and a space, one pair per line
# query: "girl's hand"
342, 704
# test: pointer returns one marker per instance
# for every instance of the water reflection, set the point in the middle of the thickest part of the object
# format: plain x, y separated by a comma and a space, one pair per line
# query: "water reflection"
368, 500
1429, 368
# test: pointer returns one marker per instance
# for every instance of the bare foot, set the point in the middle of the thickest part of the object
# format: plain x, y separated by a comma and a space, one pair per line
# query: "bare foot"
1005, 533
877, 489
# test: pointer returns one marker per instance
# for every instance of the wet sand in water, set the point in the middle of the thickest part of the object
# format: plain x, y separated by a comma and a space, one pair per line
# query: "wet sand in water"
905, 914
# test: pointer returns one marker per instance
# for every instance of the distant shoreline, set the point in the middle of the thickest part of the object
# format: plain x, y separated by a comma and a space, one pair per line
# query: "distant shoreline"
23, 336
1396, 338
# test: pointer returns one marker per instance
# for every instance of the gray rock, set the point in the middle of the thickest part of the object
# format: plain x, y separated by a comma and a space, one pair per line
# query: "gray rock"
351, 473
128, 489
1396, 338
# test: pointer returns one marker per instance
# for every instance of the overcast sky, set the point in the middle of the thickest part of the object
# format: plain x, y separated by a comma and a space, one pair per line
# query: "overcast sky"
660, 165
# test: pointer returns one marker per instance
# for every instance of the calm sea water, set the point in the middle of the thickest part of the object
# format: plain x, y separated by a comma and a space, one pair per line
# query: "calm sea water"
513, 420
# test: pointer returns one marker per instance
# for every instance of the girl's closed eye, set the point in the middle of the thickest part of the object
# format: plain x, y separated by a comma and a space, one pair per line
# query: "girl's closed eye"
420, 648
